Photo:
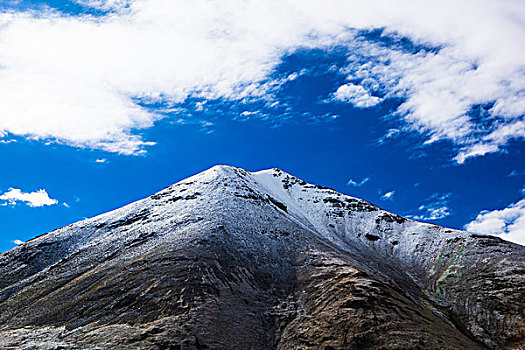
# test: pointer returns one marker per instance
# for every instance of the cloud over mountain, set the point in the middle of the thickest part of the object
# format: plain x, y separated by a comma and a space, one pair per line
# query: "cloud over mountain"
38, 198
87, 81
508, 223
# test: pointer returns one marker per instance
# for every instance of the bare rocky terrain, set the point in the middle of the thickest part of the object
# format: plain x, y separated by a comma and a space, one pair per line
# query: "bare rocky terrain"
229, 259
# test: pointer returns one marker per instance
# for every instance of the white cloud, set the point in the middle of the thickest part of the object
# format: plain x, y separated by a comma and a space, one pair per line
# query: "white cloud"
356, 183
515, 173
18, 242
388, 196
101, 160
434, 208
7, 141
38, 198
433, 213
76, 80
356, 95
508, 223
115, 5
390, 134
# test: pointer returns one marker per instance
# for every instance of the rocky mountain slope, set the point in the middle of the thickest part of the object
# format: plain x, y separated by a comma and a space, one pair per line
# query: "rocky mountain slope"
229, 259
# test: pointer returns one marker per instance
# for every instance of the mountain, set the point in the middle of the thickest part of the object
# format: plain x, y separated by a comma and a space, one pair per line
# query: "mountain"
229, 259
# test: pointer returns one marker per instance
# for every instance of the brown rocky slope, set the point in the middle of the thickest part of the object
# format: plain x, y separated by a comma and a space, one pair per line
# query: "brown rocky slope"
230, 259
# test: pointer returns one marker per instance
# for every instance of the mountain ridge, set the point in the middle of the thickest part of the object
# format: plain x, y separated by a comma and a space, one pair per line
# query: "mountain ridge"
271, 255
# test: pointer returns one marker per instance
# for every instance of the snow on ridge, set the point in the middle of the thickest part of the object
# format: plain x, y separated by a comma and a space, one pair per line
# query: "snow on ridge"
338, 218
227, 193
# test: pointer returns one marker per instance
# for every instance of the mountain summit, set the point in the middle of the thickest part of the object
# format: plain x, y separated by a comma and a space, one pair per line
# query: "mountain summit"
229, 259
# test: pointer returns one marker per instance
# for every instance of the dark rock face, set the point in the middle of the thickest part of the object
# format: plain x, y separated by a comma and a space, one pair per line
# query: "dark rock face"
235, 260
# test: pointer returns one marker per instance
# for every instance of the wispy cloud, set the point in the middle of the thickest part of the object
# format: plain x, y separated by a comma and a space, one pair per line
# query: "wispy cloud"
18, 242
101, 160
434, 208
356, 183
390, 134
88, 81
389, 196
115, 5
508, 223
38, 198
515, 173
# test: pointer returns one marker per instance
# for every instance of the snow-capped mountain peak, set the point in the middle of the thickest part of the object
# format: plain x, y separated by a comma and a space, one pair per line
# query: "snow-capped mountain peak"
237, 259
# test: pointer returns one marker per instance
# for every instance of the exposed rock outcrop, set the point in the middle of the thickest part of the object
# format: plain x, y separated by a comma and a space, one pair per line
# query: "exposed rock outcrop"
229, 259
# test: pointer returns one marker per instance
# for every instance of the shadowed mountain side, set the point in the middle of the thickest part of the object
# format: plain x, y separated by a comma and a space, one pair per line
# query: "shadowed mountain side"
229, 259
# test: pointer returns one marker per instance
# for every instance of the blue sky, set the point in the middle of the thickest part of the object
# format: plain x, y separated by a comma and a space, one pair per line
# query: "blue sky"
106, 102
